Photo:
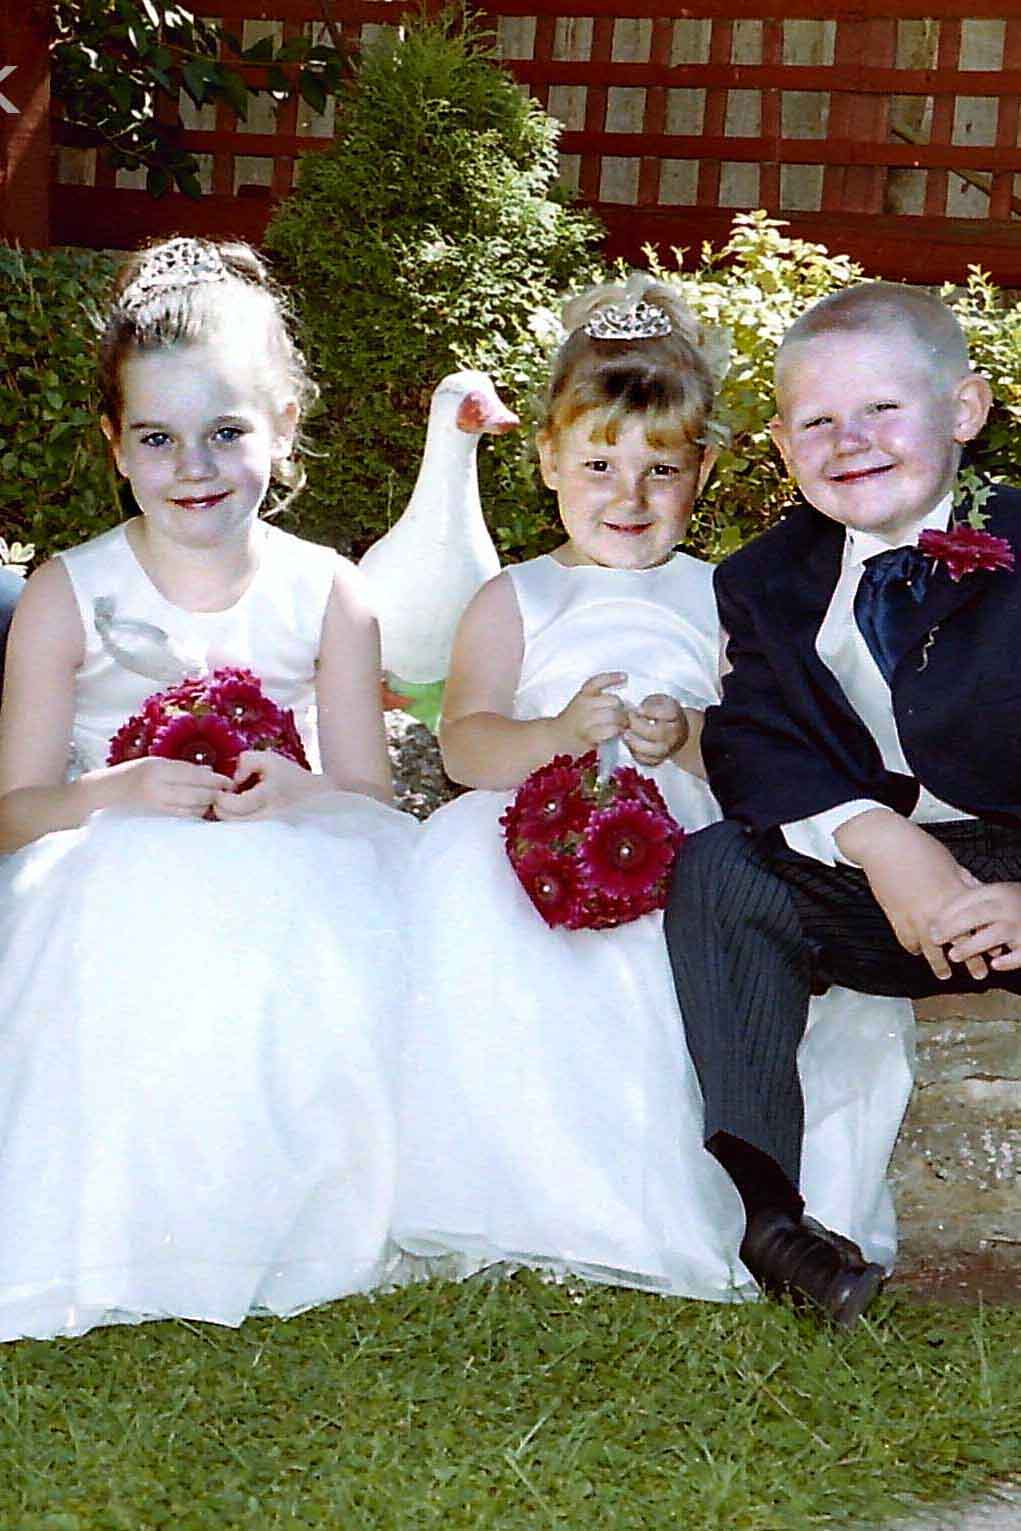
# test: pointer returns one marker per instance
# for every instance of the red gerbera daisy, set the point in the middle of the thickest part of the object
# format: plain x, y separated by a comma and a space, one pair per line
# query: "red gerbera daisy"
965, 548
239, 700
627, 850
551, 883
205, 740
132, 740
639, 788
550, 804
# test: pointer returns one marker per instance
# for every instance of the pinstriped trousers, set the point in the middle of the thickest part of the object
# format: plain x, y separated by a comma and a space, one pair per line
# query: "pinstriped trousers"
752, 929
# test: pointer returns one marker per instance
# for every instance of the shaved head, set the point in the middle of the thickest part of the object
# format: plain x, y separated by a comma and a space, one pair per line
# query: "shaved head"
878, 308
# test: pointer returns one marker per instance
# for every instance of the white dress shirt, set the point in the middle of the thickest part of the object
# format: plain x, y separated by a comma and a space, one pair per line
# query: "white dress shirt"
846, 655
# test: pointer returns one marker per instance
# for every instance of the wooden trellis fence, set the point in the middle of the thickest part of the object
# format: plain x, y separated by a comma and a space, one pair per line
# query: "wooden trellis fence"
885, 128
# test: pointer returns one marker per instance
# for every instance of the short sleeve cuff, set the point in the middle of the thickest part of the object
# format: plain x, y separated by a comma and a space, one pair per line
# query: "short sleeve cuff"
814, 837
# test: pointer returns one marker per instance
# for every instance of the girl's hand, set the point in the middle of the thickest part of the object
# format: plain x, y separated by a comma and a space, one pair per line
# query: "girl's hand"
175, 787
592, 716
279, 782
656, 730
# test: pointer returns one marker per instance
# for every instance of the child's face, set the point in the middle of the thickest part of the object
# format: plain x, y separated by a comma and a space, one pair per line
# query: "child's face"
198, 436
625, 505
871, 429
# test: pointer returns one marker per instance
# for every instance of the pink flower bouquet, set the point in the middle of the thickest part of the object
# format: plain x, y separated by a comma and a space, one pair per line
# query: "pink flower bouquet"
209, 721
591, 854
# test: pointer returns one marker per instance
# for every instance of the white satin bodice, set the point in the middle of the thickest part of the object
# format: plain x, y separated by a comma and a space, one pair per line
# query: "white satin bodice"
138, 642
659, 625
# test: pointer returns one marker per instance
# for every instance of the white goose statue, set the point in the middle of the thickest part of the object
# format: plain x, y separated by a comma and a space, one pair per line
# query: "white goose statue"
427, 567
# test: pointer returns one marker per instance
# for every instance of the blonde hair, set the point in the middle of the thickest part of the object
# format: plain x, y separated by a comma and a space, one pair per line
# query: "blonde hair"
670, 380
877, 308
144, 315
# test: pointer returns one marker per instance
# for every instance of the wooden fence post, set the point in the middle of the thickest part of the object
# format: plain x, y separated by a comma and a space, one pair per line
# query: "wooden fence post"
24, 124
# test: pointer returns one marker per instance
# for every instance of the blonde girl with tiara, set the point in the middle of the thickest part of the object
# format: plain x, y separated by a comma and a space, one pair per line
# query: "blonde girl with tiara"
550, 1114
195, 1016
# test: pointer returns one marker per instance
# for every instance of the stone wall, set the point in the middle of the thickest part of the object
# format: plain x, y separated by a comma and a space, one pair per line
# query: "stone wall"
957, 1165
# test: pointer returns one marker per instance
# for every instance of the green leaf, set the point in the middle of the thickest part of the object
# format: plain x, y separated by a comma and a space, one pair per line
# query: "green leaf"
235, 91
312, 90
260, 52
157, 181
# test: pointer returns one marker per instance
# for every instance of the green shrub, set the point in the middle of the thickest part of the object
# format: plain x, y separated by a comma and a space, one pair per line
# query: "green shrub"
993, 327
423, 241
755, 286
56, 485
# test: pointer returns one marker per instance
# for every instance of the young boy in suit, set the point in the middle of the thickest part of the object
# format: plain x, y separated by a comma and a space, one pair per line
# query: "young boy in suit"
866, 752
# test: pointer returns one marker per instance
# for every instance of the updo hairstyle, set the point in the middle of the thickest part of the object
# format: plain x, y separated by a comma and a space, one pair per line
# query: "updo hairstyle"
666, 379
181, 291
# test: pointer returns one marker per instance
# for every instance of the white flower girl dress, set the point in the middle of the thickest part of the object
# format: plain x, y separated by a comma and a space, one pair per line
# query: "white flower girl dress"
550, 1113
196, 1018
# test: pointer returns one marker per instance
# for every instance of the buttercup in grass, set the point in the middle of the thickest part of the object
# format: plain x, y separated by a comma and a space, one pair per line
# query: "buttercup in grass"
591, 853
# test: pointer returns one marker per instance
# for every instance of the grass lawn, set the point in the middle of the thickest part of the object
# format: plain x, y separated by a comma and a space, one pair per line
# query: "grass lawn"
513, 1405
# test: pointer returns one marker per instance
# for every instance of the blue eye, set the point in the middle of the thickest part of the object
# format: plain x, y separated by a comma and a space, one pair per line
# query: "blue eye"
155, 439
229, 433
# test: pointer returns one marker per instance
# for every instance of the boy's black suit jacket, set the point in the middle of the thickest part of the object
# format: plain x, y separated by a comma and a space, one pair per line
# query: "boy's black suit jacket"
784, 743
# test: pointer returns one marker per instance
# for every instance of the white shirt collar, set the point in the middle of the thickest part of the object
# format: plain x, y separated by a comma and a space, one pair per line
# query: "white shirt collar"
860, 545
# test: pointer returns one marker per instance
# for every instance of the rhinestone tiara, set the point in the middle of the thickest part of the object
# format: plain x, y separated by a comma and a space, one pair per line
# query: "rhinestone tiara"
627, 321
179, 263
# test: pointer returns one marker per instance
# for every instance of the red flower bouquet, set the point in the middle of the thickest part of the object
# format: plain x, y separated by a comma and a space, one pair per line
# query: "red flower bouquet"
209, 721
589, 853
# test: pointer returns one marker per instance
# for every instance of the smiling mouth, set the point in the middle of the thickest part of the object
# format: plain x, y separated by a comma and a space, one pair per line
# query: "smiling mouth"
630, 531
200, 502
857, 475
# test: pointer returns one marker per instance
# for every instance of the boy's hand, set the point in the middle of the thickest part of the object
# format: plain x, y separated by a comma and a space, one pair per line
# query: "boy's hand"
986, 921
915, 880
593, 715
656, 729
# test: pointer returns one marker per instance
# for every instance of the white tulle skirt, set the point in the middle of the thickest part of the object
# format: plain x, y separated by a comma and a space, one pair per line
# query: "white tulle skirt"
196, 1064
550, 1114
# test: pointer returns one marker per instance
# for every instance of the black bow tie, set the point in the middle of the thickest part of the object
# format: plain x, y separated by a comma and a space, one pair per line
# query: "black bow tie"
891, 586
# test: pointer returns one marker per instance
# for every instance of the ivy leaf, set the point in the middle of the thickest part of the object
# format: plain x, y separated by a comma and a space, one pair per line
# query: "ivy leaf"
195, 77
188, 182
261, 52
313, 90
234, 91
294, 50
157, 181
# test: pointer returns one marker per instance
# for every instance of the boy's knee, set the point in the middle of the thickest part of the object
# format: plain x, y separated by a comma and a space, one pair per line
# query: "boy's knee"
705, 854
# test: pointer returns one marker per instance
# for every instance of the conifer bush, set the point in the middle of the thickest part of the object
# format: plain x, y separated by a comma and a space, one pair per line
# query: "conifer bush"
423, 241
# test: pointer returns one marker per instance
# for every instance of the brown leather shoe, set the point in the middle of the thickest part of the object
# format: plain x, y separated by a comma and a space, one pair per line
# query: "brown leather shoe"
809, 1263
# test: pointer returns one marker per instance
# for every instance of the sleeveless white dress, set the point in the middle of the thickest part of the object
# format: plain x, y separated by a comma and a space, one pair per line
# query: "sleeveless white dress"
550, 1114
196, 1053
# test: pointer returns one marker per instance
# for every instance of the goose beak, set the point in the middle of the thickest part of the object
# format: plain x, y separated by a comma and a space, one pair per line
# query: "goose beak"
479, 411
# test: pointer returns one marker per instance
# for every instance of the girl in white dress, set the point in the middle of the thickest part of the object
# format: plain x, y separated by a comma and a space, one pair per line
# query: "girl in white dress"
195, 1016
550, 1114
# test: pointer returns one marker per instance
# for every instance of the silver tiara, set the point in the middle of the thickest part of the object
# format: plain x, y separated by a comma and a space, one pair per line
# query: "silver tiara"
178, 263
627, 321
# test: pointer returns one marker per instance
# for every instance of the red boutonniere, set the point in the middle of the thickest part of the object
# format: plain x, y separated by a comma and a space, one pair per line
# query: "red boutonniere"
966, 546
